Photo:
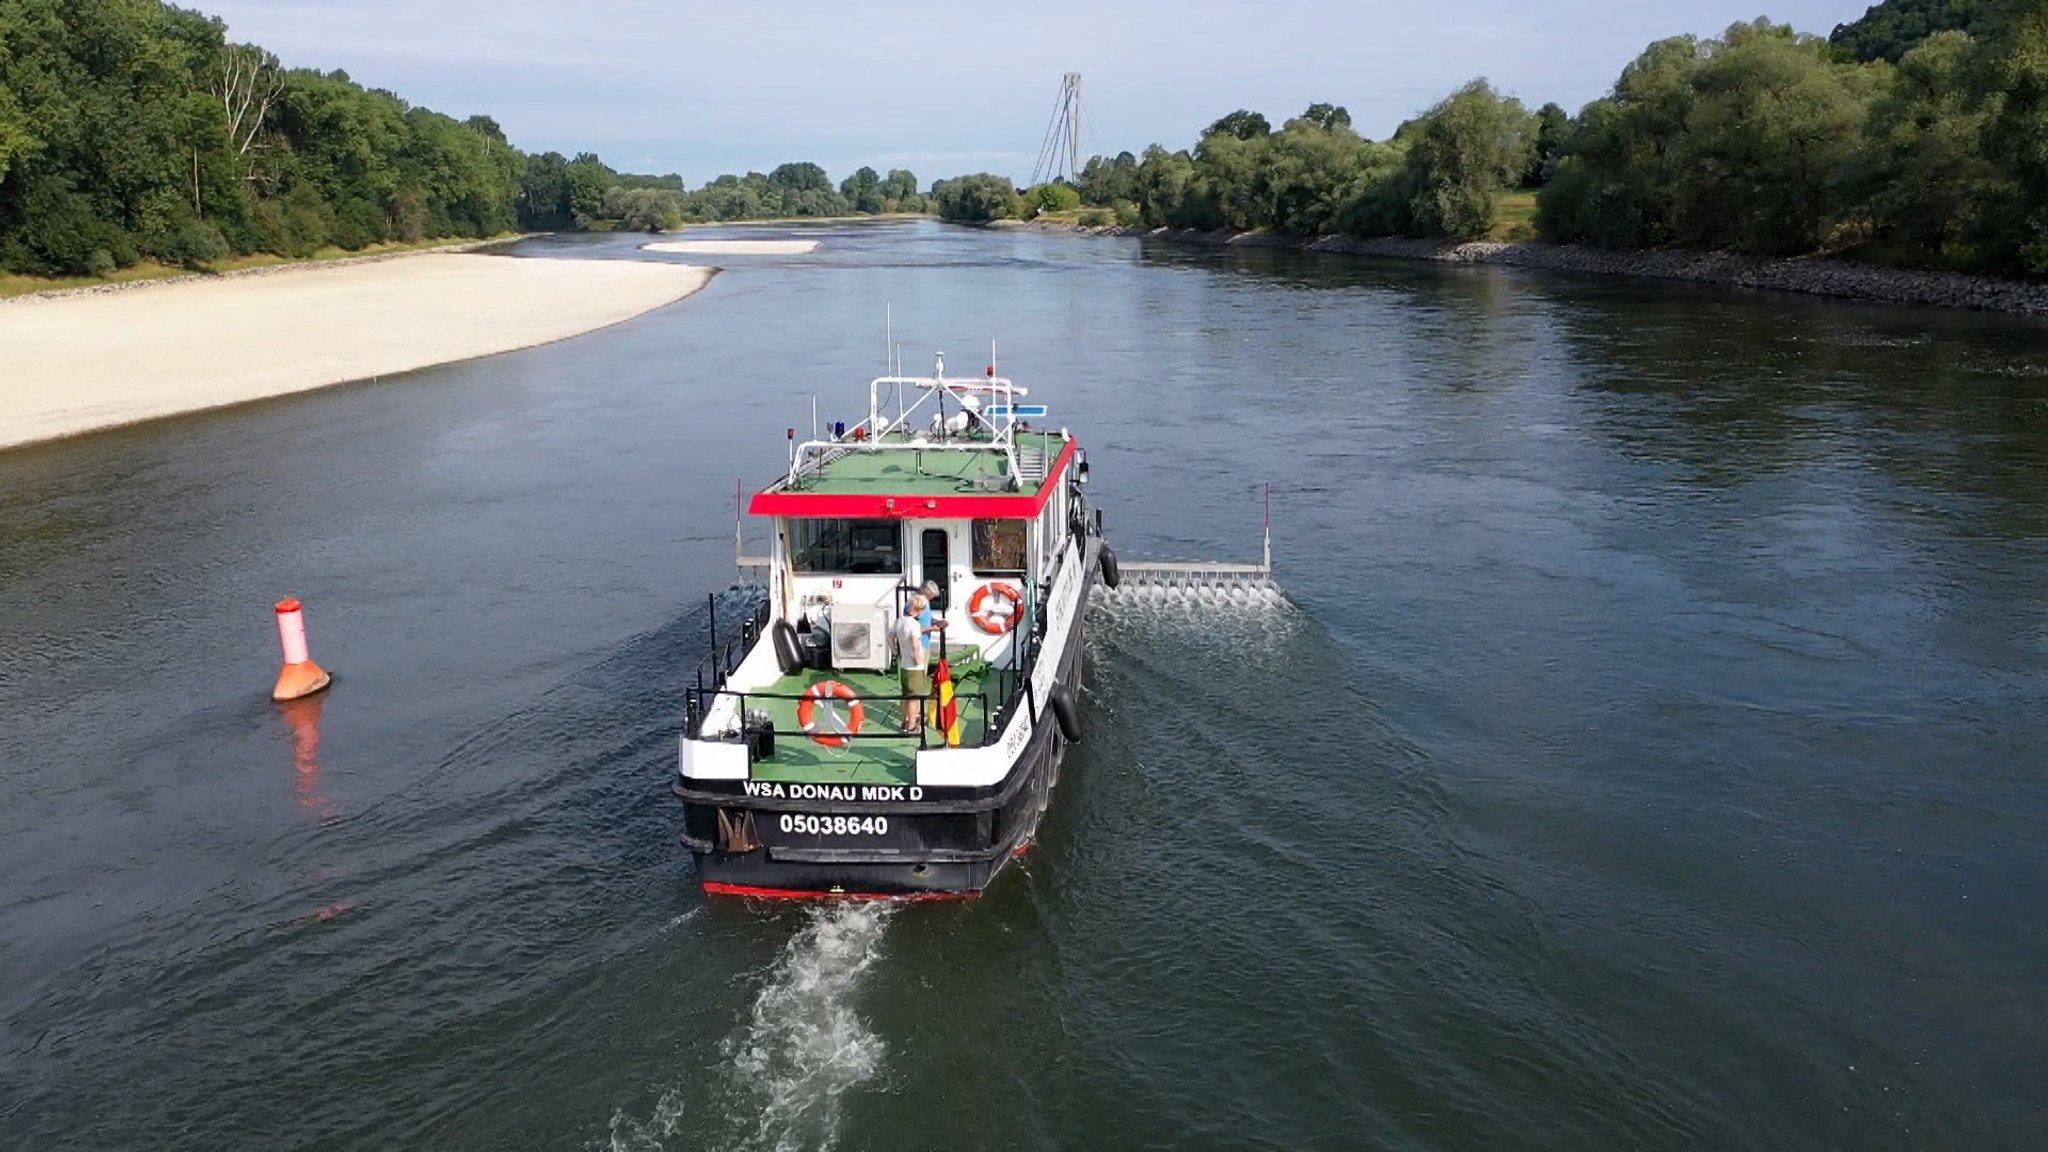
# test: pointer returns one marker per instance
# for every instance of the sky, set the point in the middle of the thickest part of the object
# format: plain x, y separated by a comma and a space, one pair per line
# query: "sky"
701, 89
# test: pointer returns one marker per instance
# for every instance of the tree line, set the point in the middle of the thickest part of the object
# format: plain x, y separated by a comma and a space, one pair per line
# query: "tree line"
1917, 135
133, 130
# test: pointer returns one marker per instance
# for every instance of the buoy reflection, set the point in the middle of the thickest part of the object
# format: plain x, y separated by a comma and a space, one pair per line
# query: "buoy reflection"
303, 716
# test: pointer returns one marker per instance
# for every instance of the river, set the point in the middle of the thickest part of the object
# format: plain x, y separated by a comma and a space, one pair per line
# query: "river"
1651, 753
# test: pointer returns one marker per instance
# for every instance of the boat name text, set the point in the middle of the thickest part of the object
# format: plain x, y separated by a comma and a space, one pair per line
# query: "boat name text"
772, 790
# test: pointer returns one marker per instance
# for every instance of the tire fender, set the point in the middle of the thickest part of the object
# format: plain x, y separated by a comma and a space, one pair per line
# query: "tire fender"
788, 656
1066, 711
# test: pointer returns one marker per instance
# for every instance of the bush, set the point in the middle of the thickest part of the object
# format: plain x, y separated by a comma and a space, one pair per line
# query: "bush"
1053, 197
196, 245
1096, 218
1128, 214
100, 263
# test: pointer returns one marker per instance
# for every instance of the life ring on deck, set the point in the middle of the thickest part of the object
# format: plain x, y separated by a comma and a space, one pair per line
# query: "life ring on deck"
985, 615
831, 729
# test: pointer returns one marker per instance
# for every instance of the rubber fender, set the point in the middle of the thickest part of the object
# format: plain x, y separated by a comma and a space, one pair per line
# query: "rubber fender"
788, 656
1110, 576
1067, 712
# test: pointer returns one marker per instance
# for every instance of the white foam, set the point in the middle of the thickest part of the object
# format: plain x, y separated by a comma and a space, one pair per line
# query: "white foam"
803, 1047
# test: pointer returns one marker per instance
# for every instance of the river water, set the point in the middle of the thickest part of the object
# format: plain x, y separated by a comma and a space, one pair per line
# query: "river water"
1652, 752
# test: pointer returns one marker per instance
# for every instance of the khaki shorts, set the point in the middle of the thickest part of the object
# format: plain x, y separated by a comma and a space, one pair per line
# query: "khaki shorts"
917, 683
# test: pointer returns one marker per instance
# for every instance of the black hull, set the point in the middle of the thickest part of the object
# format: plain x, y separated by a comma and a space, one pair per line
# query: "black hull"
950, 846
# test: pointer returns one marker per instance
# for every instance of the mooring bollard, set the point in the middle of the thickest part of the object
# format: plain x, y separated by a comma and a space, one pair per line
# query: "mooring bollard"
300, 676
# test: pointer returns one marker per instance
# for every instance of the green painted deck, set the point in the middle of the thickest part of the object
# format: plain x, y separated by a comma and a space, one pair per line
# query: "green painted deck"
878, 760
934, 472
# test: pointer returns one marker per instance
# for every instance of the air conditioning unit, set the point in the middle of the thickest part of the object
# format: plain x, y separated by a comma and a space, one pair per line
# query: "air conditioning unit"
860, 637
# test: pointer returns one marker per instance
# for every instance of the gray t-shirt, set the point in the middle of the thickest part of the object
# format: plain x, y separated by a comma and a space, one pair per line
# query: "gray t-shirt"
909, 640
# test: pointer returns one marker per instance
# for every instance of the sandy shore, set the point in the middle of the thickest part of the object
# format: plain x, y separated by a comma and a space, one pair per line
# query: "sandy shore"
81, 362
734, 247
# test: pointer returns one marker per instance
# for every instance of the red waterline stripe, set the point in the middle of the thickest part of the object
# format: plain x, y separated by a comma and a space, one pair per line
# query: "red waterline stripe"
718, 888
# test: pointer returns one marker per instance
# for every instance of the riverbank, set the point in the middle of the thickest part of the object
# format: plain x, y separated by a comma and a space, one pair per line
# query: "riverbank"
1813, 276
13, 287
95, 358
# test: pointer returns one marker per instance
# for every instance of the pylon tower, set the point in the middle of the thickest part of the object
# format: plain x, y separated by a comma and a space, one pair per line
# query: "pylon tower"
1059, 157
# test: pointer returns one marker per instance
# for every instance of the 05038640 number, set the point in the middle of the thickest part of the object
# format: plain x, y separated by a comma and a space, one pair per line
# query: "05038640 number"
835, 825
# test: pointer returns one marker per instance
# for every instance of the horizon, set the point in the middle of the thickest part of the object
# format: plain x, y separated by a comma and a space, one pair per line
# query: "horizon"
605, 87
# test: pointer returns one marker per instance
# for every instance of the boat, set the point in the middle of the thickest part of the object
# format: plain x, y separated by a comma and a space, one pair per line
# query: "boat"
796, 775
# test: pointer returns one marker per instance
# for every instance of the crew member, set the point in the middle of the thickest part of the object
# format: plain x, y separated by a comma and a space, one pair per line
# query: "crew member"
911, 657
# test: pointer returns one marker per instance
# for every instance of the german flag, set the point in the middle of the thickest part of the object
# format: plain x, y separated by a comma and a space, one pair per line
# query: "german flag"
949, 710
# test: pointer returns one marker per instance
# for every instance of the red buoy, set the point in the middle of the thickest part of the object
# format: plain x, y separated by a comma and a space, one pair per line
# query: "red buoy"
300, 676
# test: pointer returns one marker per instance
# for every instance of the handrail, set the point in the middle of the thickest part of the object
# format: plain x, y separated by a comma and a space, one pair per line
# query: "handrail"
700, 696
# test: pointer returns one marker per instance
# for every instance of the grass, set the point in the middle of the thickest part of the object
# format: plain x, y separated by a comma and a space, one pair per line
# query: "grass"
1517, 218
13, 284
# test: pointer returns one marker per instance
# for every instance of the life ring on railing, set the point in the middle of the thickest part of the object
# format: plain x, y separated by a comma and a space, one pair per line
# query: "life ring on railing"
985, 615
830, 729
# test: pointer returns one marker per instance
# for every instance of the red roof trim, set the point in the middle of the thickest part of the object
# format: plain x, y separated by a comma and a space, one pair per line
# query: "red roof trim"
872, 504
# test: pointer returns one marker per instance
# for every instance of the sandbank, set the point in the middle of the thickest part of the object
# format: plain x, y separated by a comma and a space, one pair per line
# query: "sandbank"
81, 362
734, 247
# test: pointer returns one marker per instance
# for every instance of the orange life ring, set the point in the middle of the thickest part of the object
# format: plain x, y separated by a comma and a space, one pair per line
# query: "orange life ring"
989, 620
829, 729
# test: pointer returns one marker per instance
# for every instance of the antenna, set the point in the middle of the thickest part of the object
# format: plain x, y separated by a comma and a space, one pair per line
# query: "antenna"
1059, 155
888, 338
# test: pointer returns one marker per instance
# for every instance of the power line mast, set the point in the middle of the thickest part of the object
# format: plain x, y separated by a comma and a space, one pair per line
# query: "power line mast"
1059, 156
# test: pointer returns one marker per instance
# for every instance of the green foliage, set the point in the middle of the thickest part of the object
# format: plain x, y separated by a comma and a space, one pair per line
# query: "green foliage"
1127, 213
1765, 100
2011, 85
644, 209
1469, 150
133, 129
977, 199
1163, 181
1050, 197
1242, 124
1921, 172
195, 246
1891, 29
863, 191
1327, 116
1096, 218
1307, 168
1107, 181
1551, 124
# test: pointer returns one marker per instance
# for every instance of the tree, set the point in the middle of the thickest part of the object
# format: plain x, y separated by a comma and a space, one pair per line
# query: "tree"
899, 187
1105, 181
1470, 149
1325, 116
1920, 173
1616, 179
1766, 101
1307, 170
1893, 28
1163, 181
1242, 124
1054, 196
977, 199
2011, 84
863, 191
1550, 127
248, 83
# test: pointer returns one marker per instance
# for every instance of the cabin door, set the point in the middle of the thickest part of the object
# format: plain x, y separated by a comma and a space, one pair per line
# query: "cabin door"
934, 555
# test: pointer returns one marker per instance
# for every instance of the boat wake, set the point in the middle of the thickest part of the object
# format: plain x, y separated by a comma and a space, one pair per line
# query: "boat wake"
803, 1048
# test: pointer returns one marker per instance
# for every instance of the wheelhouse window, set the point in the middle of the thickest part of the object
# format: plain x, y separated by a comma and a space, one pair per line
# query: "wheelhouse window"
846, 547
1000, 546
